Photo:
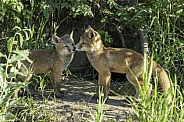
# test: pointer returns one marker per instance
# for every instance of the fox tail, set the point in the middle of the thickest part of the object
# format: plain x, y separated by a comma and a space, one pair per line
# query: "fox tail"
163, 78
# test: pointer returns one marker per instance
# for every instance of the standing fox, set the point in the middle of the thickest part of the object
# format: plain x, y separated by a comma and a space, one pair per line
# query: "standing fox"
120, 60
54, 60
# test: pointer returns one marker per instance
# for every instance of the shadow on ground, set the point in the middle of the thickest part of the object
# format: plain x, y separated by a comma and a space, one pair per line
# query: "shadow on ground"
78, 104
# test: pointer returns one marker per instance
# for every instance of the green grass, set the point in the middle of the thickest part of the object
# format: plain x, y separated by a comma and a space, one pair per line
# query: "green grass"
27, 26
156, 107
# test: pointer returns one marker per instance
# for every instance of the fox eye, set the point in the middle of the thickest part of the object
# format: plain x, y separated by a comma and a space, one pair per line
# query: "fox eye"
83, 43
65, 46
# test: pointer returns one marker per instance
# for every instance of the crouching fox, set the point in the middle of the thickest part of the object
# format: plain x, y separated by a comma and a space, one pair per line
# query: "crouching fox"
119, 60
53, 60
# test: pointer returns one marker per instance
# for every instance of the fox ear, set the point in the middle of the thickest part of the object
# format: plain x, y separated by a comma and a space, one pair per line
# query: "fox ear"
92, 34
71, 35
55, 39
86, 26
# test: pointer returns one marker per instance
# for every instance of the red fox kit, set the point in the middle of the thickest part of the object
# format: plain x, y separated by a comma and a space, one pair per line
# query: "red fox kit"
54, 60
120, 60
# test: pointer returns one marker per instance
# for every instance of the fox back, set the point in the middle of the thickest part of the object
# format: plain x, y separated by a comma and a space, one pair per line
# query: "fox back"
45, 60
54, 60
120, 60
108, 58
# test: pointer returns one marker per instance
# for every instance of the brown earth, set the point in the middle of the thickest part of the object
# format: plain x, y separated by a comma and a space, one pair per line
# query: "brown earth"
78, 105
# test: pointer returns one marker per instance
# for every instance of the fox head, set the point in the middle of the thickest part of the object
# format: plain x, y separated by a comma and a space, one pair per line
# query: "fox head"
64, 44
90, 41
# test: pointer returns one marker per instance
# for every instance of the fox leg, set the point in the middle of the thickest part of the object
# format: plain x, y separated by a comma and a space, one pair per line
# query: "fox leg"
62, 76
26, 79
136, 84
137, 95
99, 84
22, 79
55, 82
104, 80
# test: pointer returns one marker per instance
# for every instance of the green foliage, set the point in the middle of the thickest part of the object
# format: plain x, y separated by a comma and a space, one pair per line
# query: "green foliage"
9, 71
26, 25
108, 41
162, 20
29, 110
157, 107
100, 109
101, 101
80, 7
29, 25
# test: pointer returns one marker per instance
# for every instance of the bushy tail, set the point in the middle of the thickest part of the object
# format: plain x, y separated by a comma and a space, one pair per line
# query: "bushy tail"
162, 77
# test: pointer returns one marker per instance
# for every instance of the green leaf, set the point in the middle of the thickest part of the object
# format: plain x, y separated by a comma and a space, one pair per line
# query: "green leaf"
2, 55
17, 27
10, 44
16, 85
24, 54
20, 55
179, 12
19, 8
21, 40
10, 116
5, 98
15, 102
11, 75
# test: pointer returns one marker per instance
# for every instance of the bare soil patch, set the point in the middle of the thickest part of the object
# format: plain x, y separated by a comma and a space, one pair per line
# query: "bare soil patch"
77, 103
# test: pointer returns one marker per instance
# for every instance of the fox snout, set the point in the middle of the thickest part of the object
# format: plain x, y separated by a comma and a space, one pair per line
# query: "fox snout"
74, 49
78, 47
71, 49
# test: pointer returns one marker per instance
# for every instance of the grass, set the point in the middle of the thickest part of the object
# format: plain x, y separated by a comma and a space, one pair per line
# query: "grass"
98, 116
156, 107
164, 25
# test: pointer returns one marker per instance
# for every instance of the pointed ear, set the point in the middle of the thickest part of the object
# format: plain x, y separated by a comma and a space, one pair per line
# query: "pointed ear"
71, 35
86, 26
92, 34
55, 39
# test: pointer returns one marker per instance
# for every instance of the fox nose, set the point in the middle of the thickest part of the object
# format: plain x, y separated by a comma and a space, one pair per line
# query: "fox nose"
74, 48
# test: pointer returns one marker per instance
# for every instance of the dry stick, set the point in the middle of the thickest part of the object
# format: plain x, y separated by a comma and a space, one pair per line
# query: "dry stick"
121, 36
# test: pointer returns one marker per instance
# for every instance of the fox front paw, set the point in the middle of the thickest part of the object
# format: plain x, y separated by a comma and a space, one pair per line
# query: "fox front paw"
59, 94
102, 98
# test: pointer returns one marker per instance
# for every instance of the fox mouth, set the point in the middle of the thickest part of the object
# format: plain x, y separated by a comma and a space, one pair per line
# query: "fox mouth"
78, 49
73, 51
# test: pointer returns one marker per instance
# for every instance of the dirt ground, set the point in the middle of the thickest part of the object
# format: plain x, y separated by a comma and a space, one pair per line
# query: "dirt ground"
77, 104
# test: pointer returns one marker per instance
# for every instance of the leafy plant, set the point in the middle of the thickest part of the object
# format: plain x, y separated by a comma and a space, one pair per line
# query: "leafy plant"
9, 71
29, 25
100, 110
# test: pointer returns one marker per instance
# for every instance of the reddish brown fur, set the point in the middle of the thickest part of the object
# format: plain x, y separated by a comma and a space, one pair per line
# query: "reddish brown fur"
120, 60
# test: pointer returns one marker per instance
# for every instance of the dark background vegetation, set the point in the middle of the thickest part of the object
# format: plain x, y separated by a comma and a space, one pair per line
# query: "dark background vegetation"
29, 24
119, 22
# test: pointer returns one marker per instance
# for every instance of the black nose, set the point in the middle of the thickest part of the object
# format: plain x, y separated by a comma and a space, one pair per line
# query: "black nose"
74, 48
